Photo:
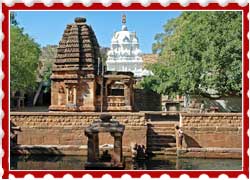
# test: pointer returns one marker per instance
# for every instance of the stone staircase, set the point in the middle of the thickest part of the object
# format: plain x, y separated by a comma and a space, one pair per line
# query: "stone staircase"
161, 137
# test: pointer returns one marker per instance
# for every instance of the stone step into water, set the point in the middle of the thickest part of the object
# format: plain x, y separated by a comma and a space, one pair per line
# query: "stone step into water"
163, 144
158, 152
170, 154
162, 148
161, 140
167, 144
161, 132
161, 137
171, 149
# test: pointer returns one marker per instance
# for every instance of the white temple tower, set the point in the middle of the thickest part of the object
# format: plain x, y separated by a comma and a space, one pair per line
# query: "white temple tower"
124, 54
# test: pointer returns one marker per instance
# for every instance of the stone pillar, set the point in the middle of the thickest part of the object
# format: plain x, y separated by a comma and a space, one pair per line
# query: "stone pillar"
96, 145
60, 96
67, 95
118, 145
108, 82
93, 147
127, 95
59, 101
74, 93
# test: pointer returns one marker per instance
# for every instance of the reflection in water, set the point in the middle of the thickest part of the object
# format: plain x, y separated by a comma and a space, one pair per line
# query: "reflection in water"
46, 162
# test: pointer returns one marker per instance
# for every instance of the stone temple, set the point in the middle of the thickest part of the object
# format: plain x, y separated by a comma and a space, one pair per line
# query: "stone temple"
125, 54
78, 83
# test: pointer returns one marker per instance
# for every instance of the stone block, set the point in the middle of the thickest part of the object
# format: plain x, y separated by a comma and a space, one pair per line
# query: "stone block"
36, 139
23, 138
226, 128
51, 139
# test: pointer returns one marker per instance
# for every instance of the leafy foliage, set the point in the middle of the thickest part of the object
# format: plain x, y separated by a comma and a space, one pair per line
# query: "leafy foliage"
24, 53
46, 60
199, 53
13, 20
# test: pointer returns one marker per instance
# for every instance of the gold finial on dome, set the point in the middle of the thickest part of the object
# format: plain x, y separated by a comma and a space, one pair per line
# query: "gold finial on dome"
123, 19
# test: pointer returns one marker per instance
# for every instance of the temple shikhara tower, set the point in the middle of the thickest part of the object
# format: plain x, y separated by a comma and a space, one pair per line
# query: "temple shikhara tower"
125, 54
78, 84
75, 69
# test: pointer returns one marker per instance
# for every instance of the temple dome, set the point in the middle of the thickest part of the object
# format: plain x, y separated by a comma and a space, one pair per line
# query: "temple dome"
122, 37
125, 54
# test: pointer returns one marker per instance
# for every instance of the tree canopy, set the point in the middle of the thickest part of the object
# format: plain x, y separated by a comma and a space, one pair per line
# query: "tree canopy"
46, 60
24, 54
199, 53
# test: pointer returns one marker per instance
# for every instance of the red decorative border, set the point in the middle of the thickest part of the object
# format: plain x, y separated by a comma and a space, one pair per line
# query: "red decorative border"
118, 6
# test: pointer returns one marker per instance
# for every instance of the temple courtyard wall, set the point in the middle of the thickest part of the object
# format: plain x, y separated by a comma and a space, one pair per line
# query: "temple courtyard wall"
63, 132
212, 134
206, 134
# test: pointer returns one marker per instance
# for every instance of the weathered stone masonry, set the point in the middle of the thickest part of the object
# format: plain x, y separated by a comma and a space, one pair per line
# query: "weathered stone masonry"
203, 132
222, 130
66, 128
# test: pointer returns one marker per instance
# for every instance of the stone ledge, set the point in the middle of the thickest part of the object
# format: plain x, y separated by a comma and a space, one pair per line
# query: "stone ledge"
212, 129
212, 149
211, 152
128, 127
163, 113
58, 150
75, 113
210, 114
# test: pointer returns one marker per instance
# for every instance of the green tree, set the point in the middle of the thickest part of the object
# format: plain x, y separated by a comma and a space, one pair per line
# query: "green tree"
44, 70
13, 19
199, 53
46, 60
24, 54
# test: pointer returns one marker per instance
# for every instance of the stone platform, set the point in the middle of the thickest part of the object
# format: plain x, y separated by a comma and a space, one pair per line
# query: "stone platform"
232, 153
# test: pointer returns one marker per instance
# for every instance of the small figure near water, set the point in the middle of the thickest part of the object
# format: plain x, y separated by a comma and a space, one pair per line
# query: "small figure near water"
106, 157
180, 136
110, 156
134, 151
139, 152
139, 155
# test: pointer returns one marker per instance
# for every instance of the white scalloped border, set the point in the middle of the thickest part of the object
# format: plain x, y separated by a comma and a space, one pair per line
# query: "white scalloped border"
108, 3
126, 3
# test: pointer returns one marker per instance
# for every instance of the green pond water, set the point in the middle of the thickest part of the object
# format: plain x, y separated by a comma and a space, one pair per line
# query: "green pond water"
45, 162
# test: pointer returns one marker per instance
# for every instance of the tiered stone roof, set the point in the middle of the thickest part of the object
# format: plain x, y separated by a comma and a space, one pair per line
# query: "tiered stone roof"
78, 51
